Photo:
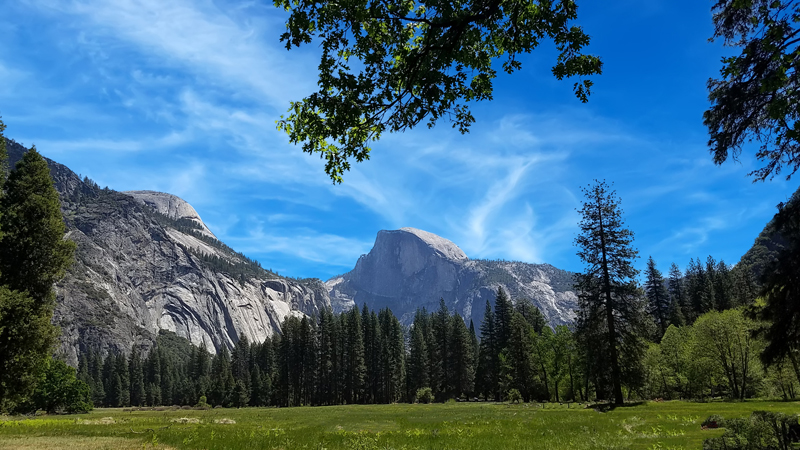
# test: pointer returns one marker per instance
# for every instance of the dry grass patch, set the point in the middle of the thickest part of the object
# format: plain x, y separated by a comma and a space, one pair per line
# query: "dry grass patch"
228, 421
185, 420
103, 421
72, 443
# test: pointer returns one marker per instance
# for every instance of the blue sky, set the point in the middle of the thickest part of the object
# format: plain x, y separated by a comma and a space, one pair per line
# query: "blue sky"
182, 97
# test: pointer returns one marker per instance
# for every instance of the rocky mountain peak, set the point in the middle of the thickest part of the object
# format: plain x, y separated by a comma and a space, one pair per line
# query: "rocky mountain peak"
442, 246
171, 206
411, 268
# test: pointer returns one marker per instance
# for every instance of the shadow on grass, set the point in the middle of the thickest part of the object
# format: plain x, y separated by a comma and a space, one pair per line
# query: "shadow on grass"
606, 407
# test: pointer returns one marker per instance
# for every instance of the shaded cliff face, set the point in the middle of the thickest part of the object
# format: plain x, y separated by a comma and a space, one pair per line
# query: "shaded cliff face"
146, 262
409, 269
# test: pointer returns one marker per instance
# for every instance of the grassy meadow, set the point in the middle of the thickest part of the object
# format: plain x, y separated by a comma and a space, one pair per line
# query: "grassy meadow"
664, 425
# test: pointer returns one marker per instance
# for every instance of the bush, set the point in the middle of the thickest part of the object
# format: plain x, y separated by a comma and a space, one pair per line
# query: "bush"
424, 395
203, 403
58, 390
762, 430
513, 396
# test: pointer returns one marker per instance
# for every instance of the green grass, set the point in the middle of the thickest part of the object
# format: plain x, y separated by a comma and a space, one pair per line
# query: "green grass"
667, 425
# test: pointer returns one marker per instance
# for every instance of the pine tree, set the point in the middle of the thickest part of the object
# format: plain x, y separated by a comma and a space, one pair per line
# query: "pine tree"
355, 369
678, 303
136, 376
607, 287
33, 251
33, 256
462, 358
440, 329
532, 314
222, 381
488, 364
503, 311
657, 297
518, 356
418, 359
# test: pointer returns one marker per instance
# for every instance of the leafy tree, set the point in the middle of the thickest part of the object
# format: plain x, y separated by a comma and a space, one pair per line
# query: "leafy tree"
388, 66
725, 338
657, 297
607, 289
757, 96
59, 390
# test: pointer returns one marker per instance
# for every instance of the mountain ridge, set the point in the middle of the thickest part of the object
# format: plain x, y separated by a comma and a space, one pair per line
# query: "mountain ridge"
410, 268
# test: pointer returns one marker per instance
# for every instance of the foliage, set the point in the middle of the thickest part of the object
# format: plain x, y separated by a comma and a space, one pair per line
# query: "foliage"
388, 66
781, 289
33, 256
513, 396
424, 395
25, 343
761, 431
757, 95
609, 300
33, 251
58, 390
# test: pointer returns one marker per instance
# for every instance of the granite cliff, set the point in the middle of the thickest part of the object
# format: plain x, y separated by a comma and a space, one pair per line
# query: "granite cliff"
145, 262
410, 268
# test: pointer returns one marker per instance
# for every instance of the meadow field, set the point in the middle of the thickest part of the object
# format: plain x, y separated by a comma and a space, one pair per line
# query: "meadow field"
655, 425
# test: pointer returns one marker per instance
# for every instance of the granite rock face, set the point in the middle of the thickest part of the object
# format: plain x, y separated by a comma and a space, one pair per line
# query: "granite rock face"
145, 261
409, 268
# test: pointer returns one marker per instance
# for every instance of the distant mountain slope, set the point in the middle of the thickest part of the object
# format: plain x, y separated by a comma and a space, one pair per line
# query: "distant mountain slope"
409, 268
146, 262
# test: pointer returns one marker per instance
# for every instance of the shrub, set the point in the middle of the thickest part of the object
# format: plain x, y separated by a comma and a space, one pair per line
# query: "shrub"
762, 430
424, 395
513, 396
203, 403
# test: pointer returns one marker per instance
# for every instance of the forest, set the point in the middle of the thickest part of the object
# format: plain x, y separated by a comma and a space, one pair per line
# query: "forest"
700, 346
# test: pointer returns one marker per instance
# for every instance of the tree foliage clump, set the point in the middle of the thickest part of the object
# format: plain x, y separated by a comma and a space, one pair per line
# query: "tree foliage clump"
390, 65
758, 93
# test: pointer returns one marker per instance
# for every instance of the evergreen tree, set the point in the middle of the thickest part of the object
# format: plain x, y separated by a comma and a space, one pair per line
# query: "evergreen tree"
532, 314
418, 359
33, 256
677, 295
607, 287
355, 368
503, 311
136, 376
440, 330
33, 251
122, 395
462, 358
222, 381
657, 297
487, 375
518, 355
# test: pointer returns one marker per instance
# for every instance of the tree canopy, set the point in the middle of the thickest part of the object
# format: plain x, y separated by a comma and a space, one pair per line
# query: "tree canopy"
757, 96
390, 65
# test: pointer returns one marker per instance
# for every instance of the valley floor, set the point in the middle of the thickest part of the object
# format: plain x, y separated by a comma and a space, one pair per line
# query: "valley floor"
664, 425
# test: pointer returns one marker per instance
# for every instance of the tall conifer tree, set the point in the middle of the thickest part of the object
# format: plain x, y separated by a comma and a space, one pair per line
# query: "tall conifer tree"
607, 287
